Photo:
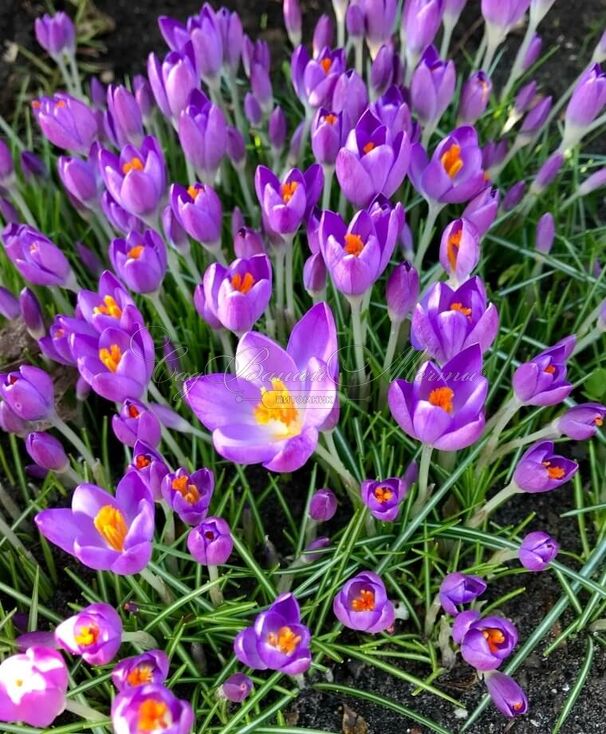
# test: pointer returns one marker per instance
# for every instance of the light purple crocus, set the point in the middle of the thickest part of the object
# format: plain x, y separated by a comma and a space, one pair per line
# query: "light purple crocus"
140, 260
446, 321
151, 708
124, 115
362, 604
504, 14
47, 451
506, 694
287, 203
323, 505
357, 254
198, 210
537, 550
203, 135
94, 633
384, 497
277, 640
488, 642
56, 34
454, 173
314, 79
545, 233
81, 180
173, 80
459, 249
236, 688
38, 259
327, 136
482, 210
29, 393
238, 294
9, 304
587, 102
33, 687
542, 380
66, 121
401, 291
151, 467
149, 667
136, 422
189, 494
103, 531
110, 307
443, 407
379, 20
211, 542
581, 422
432, 86
372, 162
474, 98
459, 588
420, 22
541, 470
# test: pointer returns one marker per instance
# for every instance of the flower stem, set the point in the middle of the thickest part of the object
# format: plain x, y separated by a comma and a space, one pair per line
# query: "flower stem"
157, 585
216, 595
83, 710
75, 74
80, 446
17, 197
290, 288
516, 69
490, 506
279, 258
333, 460
548, 432
328, 174
358, 341
423, 493
434, 208
504, 416
154, 298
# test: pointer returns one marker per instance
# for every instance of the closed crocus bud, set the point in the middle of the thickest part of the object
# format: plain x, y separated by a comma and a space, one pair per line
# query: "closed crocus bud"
488, 642
31, 313
323, 34
261, 87
327, 135
323, 505
420, 22
33, 685
384, 497
533, 53
276, 130
198, 210
188, 494
460, 249
586, 103
596, 181
432, 86
56, 34
362, 604
379, 20
494, 153
38, 259
8, 212
32, 165
459, 588
136, 422
293, 21
540, 470
350, 96
140, 260
7, 170
599, 53
252, 110
126, 115
10, 421
208, 45
524, 98
382, 70
248, 243
504, 14
514, 196
537, 550
173, 79
542, 380
581, 422
354, 21
401, 291
236, 147
149, 667
545, 233
29, 393
149, 708
66, 121
506, 694
210, 543
47, 451
9, 305
314, 274
536, 118
482, 210
474, 97
203, 135
144, 96
174, 233
79, 177
238, 686
95, 633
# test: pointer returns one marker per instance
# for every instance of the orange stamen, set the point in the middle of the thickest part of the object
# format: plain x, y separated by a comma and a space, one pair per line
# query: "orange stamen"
368, 147
142, 461
111, 526
555, 472
461, 309
133, 411
598, 420
135, 164
287, 190
87, 635
326, 65
186, 489
193, 191
494, 638
139, 675
111, 357
154, 715
442, 397
135, 252
364, 602
285, 640
550, 369
109, 307
451, 160
242, 283
452, 248
331, 118
354, 244
383, 494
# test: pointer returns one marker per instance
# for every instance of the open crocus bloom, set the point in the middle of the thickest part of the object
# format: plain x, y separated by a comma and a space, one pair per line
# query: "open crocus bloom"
151, 708
95, 633
541, 470
149, 667
104, 532
362, 604
271, 409
488, 642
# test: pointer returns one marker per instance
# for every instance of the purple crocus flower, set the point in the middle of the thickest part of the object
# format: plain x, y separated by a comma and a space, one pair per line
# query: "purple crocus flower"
384, 497
547, 173
9, 304
149, 667
31, 313
125, 115
545, 233
203, 135
314, 79
104, 532
188, 494
432, 86
420, 22
47, 451
118, 217
66, 121
372, 162
587, 101
198, 210
150, 465
95, 633
386, 69
541, 470
506, 694
482, 210
357, 255
136, 422
210, 542
277, 129
287, 203
236, 688
446, 321
137, 178
253, 414
401, 291
327, 136
173, 80
140, 260
38, 259
32, 166
474, 98
443, 407
362, 604
29, 393
111, 307
459, 588
293, 20
542, 381
56, 34
10, 421
56, 345
323, 505
150, 708
33, 685
514, 196
504, 14
454, 174
80, 179
462, 623
277, 640
460, 249
238, 294
537, 550
488, 642
350, 97
379, 20
581, 422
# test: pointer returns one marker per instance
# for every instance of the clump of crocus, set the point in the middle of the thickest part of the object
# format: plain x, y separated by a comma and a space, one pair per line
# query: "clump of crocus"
95, 633
102, 531
277, 640
151, 708
362, 604
149, 667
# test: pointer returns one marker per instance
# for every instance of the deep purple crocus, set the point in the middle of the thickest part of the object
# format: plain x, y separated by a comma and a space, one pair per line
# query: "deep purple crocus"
203, 135
323, 505
372, 162
482, 210
581, 422
542, 380
287, 203
149, 667
189, 494
9, 304
432, 86
459, 588
198, 210
541, 470
38, 259
474, 98
29, 393
446, 320
150, 708
384, 497
362, 604
66, 121
236, 688
327, 136
401, 291
210, 542
314, 79
488, 642
277, 640
136, 422
460, 249
443, 407
47, 451
537, 550
104, 532
506, 694
140, 260
95, 633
